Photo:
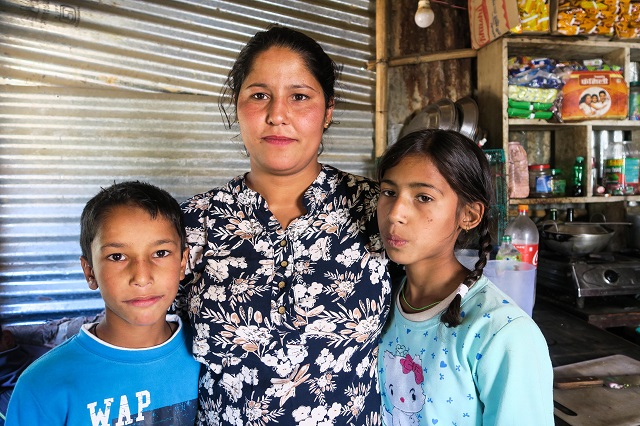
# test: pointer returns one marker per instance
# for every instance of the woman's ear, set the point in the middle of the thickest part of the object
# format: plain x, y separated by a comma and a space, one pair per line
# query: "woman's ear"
88, 273
471, 215
183, 262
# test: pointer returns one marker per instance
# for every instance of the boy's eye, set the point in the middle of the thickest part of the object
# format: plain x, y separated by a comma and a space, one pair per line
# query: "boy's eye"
116, 257
162, 253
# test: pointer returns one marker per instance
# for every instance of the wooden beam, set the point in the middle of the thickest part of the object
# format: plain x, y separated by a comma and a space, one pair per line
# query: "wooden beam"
382, 77
423, 59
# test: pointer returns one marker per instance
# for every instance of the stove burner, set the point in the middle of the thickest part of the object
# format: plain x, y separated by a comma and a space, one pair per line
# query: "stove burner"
594, 275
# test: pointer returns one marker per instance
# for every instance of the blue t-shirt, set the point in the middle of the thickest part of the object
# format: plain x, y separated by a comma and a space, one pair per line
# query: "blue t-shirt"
86, 381
492, 369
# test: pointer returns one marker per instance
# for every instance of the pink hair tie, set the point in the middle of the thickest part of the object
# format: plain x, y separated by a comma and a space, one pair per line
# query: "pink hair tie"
462, 290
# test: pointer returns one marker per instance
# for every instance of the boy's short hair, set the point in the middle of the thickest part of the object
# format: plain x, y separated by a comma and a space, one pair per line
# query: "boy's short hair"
152, 199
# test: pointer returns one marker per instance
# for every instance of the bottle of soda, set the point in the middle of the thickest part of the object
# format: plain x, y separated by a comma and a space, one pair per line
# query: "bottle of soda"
507, 251
524, 235
578, 172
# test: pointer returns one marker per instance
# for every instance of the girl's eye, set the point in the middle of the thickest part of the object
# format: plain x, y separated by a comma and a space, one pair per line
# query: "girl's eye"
162, 253
387, 193
259, 96
424, 198
116, 257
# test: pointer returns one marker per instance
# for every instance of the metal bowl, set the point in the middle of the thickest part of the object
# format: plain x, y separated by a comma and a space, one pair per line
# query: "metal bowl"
428, 118
576, 239
448, 115
468, 113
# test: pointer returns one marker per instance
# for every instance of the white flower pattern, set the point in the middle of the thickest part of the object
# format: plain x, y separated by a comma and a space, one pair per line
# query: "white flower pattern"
287, 321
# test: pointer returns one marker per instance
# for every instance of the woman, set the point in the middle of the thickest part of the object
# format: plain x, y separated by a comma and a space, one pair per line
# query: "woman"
585, 104
287, 286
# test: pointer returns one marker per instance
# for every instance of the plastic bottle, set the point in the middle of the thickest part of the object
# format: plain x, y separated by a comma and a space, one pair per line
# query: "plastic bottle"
524, 235
518, 169
507, 251
578, 182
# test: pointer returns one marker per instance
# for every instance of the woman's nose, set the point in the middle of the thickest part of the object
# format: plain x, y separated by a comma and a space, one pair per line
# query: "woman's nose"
277, 113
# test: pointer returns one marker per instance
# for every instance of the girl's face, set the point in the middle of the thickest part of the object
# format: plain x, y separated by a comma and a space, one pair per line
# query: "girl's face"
594, 98
282, 114
417, 212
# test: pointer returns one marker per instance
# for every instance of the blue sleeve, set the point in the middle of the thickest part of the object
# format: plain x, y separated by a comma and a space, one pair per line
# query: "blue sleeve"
515, 377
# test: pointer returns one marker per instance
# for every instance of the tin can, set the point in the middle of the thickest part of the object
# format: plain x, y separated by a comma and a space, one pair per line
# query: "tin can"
634, 100
614, 175
631, 175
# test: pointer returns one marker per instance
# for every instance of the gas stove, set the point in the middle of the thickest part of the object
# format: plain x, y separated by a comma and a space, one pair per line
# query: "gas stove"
590, 276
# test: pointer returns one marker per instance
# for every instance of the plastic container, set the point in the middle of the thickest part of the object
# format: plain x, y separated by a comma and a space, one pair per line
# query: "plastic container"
507, 251
518, 172
467, 257
524, 235
634, 100
516, 279
540, 180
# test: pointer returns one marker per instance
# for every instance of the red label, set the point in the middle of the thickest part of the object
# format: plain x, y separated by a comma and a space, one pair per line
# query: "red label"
529, 253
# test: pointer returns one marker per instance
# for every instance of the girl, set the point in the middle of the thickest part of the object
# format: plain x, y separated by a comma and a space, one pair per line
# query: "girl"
456, 350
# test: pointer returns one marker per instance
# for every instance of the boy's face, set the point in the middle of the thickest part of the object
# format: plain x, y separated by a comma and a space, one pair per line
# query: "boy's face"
137, 264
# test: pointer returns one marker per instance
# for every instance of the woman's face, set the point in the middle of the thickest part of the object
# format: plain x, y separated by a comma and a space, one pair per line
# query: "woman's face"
587, 100
282, 114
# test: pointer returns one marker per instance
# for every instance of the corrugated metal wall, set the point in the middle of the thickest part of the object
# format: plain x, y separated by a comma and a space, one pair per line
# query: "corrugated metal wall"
93, 92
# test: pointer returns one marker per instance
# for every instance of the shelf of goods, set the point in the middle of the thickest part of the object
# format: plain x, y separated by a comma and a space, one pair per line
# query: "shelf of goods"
570, 138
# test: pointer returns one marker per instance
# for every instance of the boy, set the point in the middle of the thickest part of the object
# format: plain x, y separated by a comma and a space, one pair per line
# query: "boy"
135, 365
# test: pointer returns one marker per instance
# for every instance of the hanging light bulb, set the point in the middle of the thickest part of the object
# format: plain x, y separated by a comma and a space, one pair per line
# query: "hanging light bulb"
424, 15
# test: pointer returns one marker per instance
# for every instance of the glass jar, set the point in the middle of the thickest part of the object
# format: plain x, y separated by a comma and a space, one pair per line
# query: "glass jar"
558, 183
539, 180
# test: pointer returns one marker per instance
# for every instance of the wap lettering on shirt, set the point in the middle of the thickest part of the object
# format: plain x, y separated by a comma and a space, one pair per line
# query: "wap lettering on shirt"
102, 415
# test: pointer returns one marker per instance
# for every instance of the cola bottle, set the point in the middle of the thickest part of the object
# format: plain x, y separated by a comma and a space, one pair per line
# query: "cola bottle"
524, 235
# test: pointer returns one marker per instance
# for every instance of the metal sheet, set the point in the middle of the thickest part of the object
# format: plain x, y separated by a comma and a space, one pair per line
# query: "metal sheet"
93, 92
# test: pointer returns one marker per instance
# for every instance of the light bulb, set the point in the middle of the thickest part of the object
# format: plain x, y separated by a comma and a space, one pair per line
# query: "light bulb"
424, 15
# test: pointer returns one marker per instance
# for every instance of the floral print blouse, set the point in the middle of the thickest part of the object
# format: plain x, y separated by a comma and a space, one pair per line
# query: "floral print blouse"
286, 321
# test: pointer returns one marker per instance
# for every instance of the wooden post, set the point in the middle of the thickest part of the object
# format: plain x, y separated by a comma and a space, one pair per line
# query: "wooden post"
382, 68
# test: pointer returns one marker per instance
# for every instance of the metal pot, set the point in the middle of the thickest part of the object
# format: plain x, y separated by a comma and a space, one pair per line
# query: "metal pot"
576, 238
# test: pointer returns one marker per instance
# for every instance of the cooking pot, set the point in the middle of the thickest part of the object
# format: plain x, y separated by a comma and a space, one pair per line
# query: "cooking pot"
576, 238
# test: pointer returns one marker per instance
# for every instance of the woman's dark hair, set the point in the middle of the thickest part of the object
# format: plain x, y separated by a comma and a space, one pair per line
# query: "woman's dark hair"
466, 168
150, 198
323, 68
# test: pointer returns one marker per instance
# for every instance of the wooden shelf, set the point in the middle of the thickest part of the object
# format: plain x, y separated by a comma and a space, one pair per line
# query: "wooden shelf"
567, 140
533, 124
575, 200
